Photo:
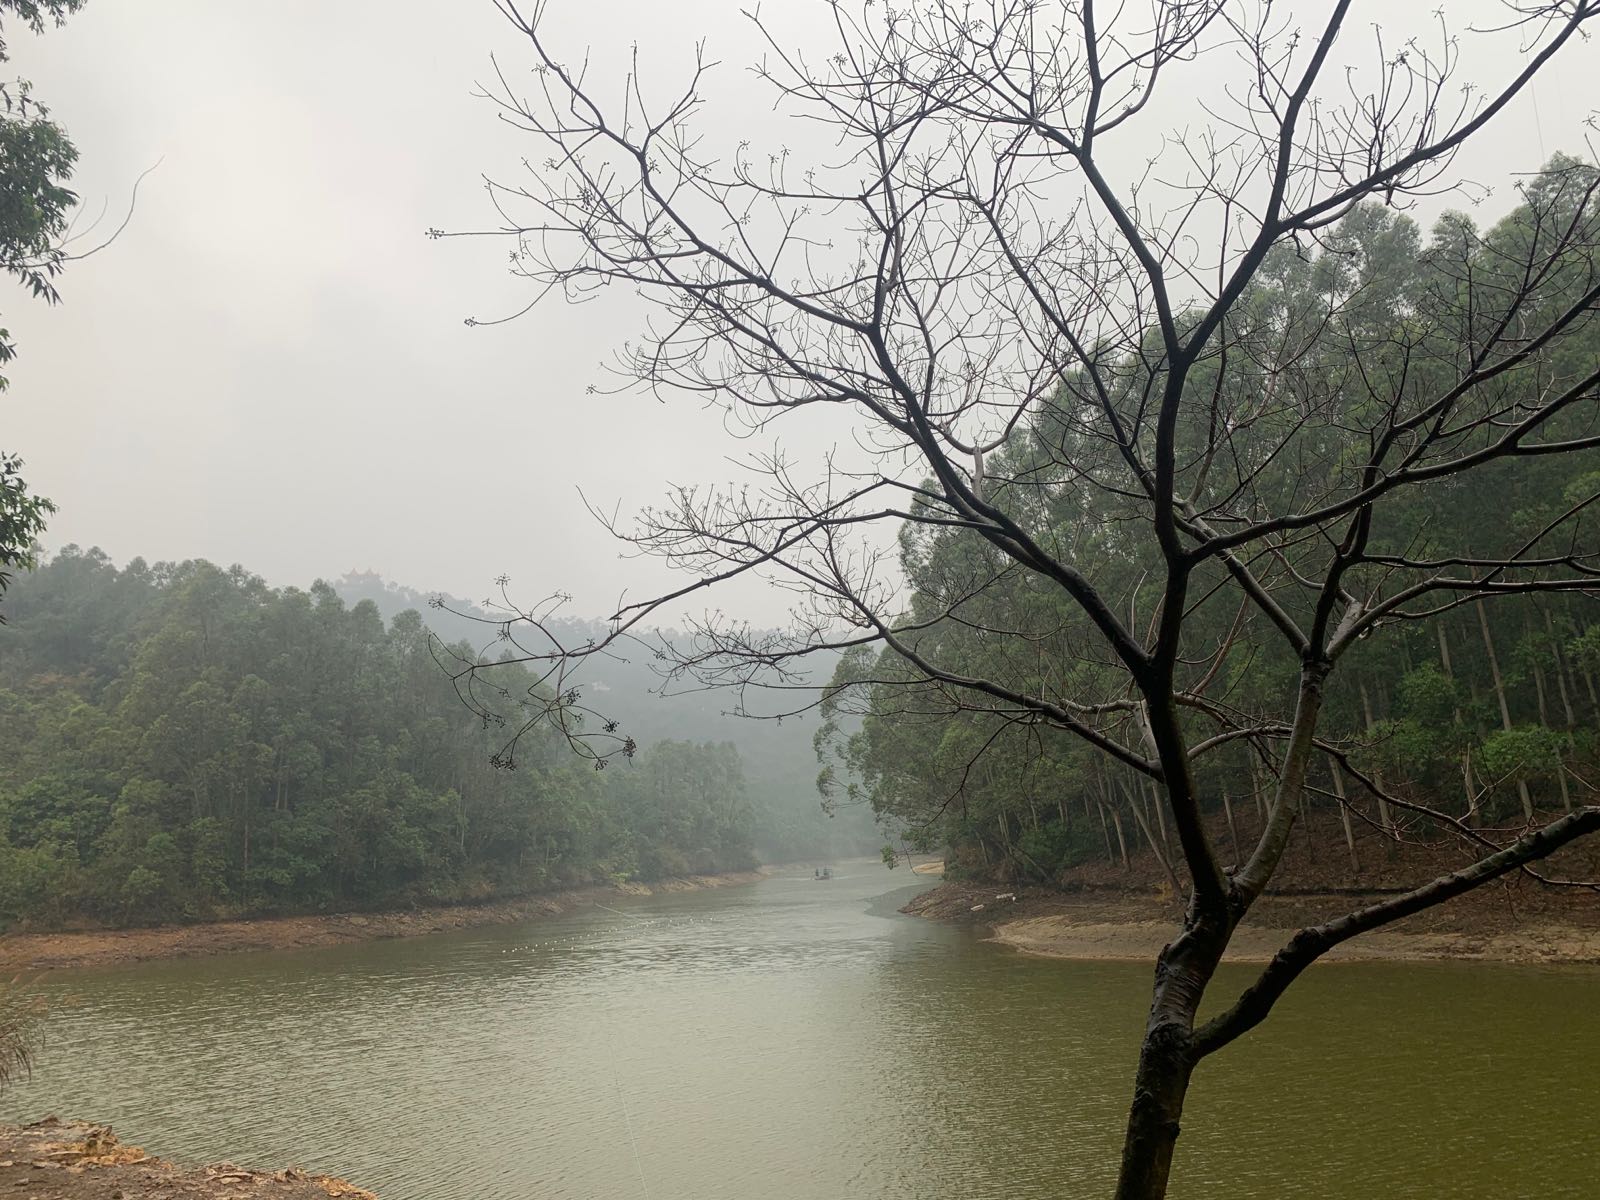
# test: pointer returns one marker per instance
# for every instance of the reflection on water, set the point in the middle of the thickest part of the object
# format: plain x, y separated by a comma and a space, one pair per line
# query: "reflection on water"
795, 1039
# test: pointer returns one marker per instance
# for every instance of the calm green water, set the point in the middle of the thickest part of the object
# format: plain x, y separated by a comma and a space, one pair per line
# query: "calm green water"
794, 1040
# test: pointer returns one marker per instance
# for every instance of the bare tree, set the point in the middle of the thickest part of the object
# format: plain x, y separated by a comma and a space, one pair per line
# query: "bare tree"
1031, 342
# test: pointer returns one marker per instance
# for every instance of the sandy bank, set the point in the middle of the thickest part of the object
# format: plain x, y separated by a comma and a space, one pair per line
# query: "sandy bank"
59, 1160
106, 947
1120, 926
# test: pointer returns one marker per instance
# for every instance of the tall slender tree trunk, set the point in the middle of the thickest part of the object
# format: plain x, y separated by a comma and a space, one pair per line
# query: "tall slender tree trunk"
1500, 694
1155, 846
1563, 670
1233, 829
1258, 789
1449, 672
1161, 817
1344, 816
1384, 821
1305, 826
1122, 841
1563, 692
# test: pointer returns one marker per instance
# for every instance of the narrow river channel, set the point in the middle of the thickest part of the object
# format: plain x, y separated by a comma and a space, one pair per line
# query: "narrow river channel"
796, 1040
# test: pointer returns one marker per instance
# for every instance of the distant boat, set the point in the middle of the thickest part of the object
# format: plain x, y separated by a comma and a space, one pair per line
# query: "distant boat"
820, 873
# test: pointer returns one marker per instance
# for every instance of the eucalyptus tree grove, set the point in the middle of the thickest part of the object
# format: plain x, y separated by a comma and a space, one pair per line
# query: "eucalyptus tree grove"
1134, 407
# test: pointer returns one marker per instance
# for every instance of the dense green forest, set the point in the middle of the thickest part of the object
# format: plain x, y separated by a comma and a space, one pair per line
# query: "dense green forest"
1486, 711
183, 741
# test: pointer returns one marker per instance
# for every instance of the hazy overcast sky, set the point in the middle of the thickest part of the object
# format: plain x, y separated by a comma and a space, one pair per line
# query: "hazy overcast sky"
270, 366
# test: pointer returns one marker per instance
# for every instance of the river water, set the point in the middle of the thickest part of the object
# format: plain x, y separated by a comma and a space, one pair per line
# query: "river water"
795, 1040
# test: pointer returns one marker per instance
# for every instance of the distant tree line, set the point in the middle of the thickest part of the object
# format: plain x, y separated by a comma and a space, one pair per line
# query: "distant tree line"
180, 741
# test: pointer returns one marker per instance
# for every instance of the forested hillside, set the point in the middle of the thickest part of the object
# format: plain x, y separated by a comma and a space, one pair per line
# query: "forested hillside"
182, 741
1480, 711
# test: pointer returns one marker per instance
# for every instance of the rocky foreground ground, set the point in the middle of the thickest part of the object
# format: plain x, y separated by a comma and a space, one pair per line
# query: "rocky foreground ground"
72, 1160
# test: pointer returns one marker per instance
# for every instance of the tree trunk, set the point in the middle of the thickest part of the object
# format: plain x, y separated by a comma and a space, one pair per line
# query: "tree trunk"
1233, 829
1161, 818
1344, 814
1563, 670
1500, 695
1444, 661
1257, 790
1383, 805
1159, 1089
1155, 846
1565, 694
1167, 1056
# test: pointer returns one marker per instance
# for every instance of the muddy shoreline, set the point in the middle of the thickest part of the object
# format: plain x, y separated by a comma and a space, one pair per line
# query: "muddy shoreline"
112, 947
1107, 924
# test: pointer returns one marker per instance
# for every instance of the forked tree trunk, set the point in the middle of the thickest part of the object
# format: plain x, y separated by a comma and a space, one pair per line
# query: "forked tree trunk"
1168, 1053
1160, 1086
1167, 1059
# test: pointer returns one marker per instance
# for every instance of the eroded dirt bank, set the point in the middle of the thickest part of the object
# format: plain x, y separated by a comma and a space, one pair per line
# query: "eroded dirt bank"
71, 1160
1499, 925
107, 947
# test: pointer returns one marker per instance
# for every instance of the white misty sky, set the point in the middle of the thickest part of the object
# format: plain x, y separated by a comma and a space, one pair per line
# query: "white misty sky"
270, 366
